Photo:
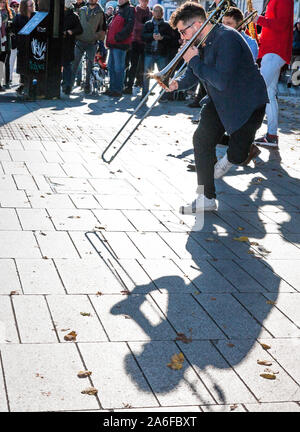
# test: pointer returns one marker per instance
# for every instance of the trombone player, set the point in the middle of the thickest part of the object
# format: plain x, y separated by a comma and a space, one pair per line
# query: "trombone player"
236, 101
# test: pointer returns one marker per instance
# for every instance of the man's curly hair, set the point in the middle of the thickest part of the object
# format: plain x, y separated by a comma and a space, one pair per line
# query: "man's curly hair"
185, 12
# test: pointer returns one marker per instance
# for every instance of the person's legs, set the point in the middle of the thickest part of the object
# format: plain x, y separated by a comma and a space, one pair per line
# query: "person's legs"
134, 59
7, 69
78, 53
205, 139
120, 56
13, 57
162, 62
139, 75
111, 69
90, 53
148, 68
271, 65
240, 146
67, 77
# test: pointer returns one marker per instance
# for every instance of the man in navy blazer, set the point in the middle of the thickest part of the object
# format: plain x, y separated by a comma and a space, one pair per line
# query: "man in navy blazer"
236, 100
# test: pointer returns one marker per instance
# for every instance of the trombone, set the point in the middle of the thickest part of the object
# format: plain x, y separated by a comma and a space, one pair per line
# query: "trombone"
163, 78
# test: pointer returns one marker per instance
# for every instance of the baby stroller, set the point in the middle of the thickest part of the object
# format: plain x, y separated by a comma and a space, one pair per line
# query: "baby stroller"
99, 75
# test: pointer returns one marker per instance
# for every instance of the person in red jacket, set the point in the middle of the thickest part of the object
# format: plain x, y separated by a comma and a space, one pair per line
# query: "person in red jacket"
275, 51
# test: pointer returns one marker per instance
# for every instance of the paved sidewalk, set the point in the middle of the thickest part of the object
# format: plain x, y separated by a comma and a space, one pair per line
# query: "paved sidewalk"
101, 250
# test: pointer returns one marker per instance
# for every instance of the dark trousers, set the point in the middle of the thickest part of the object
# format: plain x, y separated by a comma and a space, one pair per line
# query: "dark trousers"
136, 64
208, 134
67, 74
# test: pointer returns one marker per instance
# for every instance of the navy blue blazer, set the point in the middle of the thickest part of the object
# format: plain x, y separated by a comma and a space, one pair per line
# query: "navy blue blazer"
230, 75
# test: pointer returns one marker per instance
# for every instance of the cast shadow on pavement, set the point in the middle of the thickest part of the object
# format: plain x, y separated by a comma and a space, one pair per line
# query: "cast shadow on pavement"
215, 312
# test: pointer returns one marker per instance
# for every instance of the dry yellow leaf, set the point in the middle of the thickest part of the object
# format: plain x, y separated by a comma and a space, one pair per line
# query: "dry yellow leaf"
241, 228
84, 374
265, 346
241, 239
176, 361
254, 243
269, 376
270, 302
85, 314
90, 391
70, 336
264, 362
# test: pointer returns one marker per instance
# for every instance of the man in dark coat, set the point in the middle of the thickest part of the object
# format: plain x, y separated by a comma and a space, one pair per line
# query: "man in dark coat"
72, 28
236, 101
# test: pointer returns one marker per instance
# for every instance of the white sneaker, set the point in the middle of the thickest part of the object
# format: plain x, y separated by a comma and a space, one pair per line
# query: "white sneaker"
199, 205
222, 166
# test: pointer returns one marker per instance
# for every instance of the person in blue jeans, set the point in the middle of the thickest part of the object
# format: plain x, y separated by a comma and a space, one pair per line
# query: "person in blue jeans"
119, 38
157, 34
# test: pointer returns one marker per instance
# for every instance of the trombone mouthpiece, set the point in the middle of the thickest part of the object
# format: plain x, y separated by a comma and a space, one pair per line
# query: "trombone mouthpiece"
162, 80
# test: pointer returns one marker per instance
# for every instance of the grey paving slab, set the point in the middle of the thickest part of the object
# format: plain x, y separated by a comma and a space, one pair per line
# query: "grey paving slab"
9, 220
125, 246
185, 246
27, 156
87, 276
9, 280
25, 181
33, 318
286, 353
49, 378
14, 167
67, 185
171, 387
205, 277
120, 382
273, 407
132, 318
187, 316
4, 155
45, 168
113, 220
288, 303
264, 272
231, 316
239, 278
35, 219
85, 247
7, 183
13, 198
166, 275
213, 245
67, 315
56, 245
84, 201
75, 169
43, 199
138, 280
111, 202
143, 220
154, 202
243, 357
191, 408
39, 276
219, 378
18, 244
3, 399
8, 330
239, 221
171, 221
223, 408
279, 248
112, 186
73, 220
268, 315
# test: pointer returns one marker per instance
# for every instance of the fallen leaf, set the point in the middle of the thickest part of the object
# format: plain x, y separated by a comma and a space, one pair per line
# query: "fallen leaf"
126, 405
264, 362
125, 292
231, 345
233, 407
241, 228
254, 243
269, 376
127, 316
183, 338
90, 391
213, 298
14, 293
85, 314
263, 249
265, 346
270, 302
84, 374
70, 336
241, 239
99, 293
176, 361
